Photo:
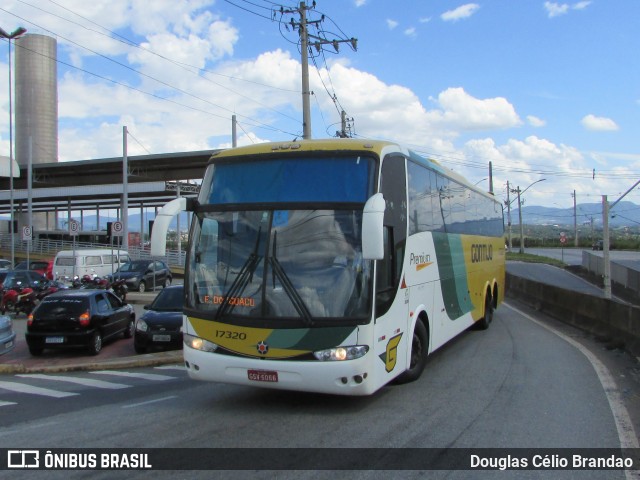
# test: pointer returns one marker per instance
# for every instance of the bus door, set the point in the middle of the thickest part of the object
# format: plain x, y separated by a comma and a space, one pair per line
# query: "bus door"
392, 299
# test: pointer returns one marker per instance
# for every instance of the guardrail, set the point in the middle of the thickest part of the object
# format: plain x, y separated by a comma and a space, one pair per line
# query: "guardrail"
47, 249
616, 323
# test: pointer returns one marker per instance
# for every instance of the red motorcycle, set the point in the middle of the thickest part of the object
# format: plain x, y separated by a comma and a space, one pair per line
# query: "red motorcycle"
18, 299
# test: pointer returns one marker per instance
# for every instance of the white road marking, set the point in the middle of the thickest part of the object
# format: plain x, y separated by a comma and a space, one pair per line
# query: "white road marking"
626, 432
170, 367
4, 404
146, 376
22, 388
89, 382
150, 401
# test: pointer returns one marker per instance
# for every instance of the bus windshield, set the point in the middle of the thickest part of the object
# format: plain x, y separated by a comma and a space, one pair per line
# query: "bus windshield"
303, 266
280, 240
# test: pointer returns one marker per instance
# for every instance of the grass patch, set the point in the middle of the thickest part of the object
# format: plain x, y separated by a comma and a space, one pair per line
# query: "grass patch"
527, 257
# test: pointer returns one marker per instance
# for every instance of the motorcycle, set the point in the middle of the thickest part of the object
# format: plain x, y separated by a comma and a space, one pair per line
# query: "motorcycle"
18, 299
119, 287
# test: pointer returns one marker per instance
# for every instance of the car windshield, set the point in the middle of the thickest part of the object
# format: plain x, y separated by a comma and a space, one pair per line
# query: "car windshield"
137, 266
169, 300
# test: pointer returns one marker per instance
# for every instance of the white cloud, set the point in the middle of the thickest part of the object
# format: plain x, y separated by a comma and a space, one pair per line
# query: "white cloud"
391, 24
411, 32
581, 5
360, 3
464, 11
424, 19
555, 9
468, 113
535, 121
601, 124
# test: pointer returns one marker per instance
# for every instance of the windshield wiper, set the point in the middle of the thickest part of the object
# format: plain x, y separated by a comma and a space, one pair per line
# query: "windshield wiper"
244, 277
290, 290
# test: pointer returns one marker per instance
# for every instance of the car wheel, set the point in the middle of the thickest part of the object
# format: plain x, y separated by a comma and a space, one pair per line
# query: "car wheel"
35, 351
128, 333
95, 346
167, 282
142, 287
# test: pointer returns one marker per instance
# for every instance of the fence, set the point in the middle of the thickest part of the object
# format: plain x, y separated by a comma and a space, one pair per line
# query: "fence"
44, 248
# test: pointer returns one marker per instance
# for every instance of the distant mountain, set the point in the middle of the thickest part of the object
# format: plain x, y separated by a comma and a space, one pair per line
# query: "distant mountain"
623, 214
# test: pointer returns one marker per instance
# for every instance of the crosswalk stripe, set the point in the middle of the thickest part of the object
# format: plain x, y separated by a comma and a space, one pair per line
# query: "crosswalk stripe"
170, 367
89, 382
146, 376
22, 388
4, 404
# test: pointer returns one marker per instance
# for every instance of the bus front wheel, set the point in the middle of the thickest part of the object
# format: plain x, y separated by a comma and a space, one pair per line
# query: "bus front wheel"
419, 352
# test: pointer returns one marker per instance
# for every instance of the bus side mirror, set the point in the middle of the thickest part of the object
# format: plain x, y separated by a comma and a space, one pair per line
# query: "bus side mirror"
163, 219
373, 228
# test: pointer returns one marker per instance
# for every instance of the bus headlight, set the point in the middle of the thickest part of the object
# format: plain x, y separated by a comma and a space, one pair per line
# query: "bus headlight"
341, 353
198, 343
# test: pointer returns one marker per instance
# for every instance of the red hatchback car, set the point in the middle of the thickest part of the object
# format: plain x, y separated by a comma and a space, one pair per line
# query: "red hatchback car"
42, 266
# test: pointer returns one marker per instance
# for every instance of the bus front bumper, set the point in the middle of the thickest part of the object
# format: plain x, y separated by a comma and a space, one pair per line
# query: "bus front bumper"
350, 377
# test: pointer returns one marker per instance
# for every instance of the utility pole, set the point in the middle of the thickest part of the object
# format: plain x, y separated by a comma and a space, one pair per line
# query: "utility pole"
306, 93
575, 219
605, 247
520, 218
307, 40
509, 217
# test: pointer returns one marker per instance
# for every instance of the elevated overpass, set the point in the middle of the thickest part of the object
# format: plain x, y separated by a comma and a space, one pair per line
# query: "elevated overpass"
98, 184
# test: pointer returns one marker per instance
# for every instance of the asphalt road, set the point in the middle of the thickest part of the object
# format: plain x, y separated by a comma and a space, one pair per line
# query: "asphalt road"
517, 384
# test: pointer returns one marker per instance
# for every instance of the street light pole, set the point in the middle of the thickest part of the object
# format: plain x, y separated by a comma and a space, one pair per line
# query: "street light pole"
11, 36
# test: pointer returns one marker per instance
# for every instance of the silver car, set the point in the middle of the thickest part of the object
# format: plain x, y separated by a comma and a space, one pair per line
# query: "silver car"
7, 335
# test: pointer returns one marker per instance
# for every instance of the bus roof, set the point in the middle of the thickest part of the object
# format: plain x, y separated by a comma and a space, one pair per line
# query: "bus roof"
378, 147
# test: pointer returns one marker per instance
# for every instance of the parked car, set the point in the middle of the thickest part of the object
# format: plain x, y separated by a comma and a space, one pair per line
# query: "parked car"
143, 275
161, 324
78, 318
599, 245
29, 278
41, 266
7, 335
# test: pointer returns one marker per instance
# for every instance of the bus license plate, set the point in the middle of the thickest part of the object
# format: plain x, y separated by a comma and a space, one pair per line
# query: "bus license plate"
262, 375
54, 340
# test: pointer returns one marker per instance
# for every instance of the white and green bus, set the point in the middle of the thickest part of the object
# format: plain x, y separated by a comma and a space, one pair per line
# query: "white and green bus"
332, 266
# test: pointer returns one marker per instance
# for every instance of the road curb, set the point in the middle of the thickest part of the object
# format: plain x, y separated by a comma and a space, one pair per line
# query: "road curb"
145, 360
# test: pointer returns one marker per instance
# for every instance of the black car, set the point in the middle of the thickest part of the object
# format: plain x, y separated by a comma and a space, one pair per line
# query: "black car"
143, 275
78, 318
161, 325
29, 278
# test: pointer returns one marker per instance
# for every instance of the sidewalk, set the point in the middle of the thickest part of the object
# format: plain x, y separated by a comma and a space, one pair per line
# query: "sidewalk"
116, 353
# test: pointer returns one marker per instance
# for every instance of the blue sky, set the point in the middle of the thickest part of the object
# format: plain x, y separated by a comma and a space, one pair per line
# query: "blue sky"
542, 89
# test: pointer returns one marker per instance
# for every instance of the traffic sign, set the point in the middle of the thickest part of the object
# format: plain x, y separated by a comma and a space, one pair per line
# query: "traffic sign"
563, 237
74, 228
117, 229
27, 232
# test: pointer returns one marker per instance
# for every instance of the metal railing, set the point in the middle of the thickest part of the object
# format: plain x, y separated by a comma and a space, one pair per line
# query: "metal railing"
44, 248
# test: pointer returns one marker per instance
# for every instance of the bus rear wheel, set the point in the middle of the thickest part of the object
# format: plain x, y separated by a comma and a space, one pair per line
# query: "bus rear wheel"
484, 322
419, 353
